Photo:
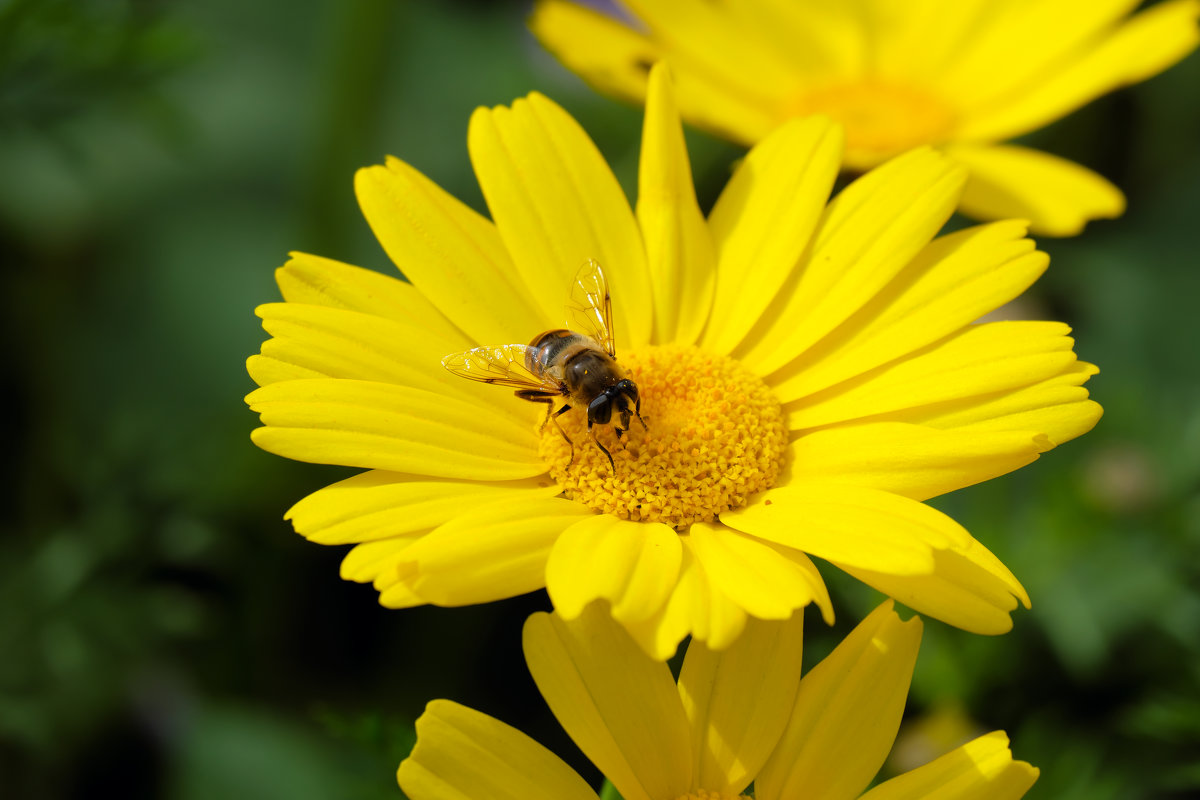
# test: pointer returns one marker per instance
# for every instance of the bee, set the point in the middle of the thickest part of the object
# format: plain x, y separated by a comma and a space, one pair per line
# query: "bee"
562, 363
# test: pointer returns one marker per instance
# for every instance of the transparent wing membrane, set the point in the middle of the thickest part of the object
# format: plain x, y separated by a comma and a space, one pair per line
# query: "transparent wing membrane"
503, 365
589, 310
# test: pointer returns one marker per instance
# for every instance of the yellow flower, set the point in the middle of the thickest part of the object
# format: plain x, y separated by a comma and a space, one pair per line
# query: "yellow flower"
964, 76
736, 716
807, 375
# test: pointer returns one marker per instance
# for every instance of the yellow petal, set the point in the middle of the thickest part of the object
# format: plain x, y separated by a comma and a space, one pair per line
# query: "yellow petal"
1143, 46
453, 255
616, 703
804, 565
313, 280
696, 607
462, 754
337, 343
753, 574
720, 620
915, 461
616, 60
982, 769
738, 701
1056, 195
730, 80
874, 228
763, 220
607, 54
850, 524
324, 342
914, 43
979, 361
383, 426
264, 369
969, 588
368, 561
660, 634
708, 102
680, 252
705, 37
952, 282
489, 553
399, 595
847, 713
821, 41
633, 565
1057, 407
557, 204
1032, 40
378, 504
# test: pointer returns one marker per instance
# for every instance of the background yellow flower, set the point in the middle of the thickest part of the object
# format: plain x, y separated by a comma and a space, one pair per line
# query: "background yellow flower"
964, 76
738, 716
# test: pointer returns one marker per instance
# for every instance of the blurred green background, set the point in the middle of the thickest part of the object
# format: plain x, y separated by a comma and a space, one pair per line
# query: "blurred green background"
163, 633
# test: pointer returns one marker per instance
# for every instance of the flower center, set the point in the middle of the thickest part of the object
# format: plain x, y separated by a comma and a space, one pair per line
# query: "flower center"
881, 119
700, 794
714, 435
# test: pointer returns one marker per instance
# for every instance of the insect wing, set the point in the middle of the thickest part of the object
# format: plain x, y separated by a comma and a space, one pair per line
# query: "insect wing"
503, 365
590, 307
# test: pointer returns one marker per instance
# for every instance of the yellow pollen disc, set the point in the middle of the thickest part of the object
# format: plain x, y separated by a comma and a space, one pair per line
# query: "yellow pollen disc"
881, 119
714, 435
700, 794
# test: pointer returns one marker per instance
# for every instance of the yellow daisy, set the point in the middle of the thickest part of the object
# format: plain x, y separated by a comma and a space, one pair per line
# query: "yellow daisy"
807, 374
736, 716
963, 76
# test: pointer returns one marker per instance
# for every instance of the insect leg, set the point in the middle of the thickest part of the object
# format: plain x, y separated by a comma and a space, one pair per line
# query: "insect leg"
540, 396
637, 409
555, 417
537, 395
603, 449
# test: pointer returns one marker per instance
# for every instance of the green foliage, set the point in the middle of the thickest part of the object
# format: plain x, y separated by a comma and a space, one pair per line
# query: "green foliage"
61, 59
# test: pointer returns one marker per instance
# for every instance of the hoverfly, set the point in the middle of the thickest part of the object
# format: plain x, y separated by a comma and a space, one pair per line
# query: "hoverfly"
562, 363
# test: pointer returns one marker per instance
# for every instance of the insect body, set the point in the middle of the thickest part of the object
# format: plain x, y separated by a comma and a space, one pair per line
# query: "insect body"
561, 363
